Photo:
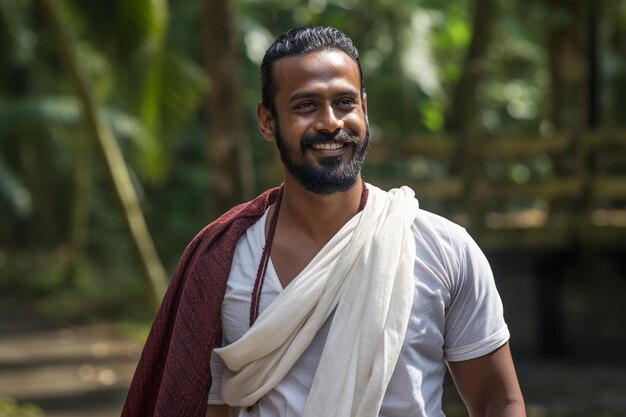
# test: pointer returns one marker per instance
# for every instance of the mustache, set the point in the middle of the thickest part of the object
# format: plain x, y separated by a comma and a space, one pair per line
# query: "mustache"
313, 138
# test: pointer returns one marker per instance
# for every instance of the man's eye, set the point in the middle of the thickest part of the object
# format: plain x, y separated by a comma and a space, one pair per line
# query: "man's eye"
304, 105
346, 102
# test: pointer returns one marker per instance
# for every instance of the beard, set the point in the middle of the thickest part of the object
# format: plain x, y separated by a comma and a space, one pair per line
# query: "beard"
333, 174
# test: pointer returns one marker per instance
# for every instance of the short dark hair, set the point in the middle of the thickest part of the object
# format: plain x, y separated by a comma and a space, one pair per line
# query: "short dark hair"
303, 40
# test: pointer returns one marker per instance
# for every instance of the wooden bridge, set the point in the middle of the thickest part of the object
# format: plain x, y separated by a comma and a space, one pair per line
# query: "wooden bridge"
551, 213
516, 192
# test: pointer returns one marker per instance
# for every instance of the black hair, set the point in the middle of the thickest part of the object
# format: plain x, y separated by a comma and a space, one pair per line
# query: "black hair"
299, 41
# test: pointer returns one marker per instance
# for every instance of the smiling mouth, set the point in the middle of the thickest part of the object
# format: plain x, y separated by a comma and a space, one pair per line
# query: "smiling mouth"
328, 146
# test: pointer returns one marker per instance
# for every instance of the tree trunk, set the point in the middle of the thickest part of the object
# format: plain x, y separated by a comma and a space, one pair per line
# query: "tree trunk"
116, 166
464, 117
229, 154
83, 159
465, 111
568, 66
594, 117
568, 113
571, 74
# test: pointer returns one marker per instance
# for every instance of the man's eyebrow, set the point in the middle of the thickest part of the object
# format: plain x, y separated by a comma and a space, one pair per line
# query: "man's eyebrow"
301, 95
352, 93
308, 94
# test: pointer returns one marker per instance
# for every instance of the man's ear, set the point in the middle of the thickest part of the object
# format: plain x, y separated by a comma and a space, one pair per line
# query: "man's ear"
265, 119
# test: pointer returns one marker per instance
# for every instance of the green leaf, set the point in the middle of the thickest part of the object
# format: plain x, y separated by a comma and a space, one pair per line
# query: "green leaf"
64, 110
171, 96
13, 193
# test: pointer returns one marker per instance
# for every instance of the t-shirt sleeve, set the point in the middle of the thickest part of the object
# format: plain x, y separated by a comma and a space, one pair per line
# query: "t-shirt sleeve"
474, 323
217, 369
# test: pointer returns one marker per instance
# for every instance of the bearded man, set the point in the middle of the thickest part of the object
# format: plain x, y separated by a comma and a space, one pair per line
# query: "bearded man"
325, 296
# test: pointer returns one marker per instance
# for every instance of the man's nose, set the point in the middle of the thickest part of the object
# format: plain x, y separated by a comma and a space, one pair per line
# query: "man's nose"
328, 120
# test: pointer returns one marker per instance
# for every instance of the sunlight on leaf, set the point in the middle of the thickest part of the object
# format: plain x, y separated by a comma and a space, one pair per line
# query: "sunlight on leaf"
257, 39
417, 60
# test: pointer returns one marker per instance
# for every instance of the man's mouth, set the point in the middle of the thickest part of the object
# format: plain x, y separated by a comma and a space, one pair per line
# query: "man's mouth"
328, 146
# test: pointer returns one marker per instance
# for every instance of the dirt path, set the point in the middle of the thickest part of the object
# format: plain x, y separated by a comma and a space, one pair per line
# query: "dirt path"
85, 371
68, 372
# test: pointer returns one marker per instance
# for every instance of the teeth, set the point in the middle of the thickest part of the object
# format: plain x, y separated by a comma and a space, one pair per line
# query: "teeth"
328, 146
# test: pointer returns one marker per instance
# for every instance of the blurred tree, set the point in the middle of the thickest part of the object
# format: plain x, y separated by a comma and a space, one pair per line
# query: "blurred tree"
150, 92
568, 69
232, 172
465, 118
491, 67
100, 129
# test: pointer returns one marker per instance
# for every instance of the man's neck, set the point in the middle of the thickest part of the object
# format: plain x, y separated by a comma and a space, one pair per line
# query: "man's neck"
319, 216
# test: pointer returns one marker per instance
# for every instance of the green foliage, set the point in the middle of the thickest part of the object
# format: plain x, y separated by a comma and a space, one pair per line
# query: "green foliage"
171, 96
134, 331
143, 59
40, 279
13, 193
10, 408
121, 28
45, 112
432, 116
125, 48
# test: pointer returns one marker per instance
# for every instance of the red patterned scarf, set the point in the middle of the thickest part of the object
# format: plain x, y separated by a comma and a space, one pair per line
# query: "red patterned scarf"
173, 376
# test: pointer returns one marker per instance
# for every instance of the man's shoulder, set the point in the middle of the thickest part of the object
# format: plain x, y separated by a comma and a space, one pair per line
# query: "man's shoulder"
429, 226
438, 223
434, 230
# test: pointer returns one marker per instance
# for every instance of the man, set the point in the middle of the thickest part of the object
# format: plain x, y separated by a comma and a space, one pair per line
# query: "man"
329, 296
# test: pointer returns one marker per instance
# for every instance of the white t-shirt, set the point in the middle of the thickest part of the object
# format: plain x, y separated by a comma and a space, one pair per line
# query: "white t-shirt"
456, 315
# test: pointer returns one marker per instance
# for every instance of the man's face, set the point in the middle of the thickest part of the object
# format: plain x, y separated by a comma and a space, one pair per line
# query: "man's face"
320, 124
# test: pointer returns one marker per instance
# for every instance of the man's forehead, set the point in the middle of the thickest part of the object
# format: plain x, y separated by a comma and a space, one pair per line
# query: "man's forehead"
324, 65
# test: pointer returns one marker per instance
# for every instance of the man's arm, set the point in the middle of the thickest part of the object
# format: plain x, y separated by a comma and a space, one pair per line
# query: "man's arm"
218, 411
488, 385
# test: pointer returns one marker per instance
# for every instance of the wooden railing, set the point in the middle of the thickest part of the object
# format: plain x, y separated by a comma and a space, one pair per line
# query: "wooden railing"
578, 199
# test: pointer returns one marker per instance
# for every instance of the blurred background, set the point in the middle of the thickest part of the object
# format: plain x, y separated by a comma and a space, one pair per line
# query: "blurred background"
128, 125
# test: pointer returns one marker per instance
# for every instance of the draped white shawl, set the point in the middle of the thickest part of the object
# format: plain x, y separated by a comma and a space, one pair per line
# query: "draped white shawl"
365, 275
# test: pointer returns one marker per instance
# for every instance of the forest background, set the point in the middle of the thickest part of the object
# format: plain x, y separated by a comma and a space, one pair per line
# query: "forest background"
128, 125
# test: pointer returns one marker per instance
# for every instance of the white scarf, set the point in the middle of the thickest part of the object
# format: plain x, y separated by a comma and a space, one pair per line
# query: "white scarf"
365, 275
